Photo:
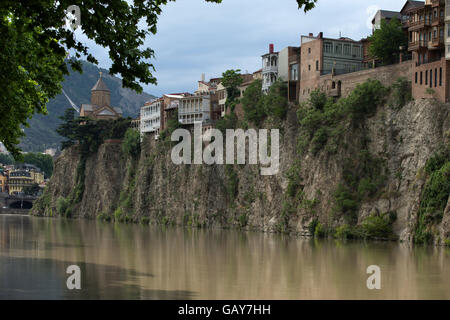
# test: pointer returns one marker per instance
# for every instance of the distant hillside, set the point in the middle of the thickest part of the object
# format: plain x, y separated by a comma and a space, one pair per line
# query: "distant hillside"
41, 133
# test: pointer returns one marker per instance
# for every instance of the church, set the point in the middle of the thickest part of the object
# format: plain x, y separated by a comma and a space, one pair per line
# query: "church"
100, 107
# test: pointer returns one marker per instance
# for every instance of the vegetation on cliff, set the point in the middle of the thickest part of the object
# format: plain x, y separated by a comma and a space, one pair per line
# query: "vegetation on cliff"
434, 196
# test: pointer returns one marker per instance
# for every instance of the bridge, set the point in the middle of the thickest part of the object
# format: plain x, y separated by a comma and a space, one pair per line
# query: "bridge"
16, 201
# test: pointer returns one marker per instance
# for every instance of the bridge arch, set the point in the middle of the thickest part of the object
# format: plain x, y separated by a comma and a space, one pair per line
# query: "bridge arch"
19, 204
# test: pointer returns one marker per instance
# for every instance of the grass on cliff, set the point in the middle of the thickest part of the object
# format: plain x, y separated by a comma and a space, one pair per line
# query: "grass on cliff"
434, 196
324, 121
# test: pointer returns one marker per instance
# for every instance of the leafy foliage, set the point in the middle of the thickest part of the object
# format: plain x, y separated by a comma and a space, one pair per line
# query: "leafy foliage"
386, 41
321, 118
231, 80
257, 106
131, 144
401, 93
33, 66
434, 196
42, 161
32, 190
306, 4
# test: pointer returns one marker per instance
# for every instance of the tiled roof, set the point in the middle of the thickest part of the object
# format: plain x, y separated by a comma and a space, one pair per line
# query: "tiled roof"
87, 107
100, 85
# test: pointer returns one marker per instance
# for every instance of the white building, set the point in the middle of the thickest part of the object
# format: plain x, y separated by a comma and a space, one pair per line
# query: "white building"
194, 109
269, 69
151, 116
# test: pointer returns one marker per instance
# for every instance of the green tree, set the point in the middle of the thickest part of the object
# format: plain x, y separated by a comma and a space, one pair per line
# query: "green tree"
131, 144
253, 103
306, 4
231, 80
386, 41
67, 128
31, 190
42, 161
35, 43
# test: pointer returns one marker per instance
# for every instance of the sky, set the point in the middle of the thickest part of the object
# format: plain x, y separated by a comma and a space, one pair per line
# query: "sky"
195, 36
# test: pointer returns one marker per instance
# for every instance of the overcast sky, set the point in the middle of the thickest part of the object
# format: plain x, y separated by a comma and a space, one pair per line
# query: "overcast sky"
196, 37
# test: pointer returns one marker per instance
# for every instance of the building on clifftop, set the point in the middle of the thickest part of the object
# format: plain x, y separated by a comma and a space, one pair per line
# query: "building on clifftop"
100, 107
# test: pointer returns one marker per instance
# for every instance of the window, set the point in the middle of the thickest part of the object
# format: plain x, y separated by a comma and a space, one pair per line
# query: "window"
355, 52
328, 47
347, 49
309, 67
435, 77
431, 78
317, 65
416, 77
338, 49
309, 50
440, 77
426, 77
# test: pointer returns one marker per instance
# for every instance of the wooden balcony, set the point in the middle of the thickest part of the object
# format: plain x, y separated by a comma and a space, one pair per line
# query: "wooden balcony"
437, 3
418, 24
437, 21
417, 45
435, 43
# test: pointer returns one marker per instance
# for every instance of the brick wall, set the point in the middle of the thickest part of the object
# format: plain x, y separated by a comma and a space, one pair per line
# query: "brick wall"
433, 76
386, 75
311, 52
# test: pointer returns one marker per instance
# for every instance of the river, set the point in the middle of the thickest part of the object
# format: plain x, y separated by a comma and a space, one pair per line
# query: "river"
119, 261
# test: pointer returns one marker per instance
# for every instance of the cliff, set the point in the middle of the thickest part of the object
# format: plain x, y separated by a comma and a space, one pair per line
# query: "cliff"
371, 179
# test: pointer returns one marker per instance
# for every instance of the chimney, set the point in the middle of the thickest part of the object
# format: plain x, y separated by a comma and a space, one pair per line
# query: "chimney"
311, 35
203, 77
271, 48
320, 35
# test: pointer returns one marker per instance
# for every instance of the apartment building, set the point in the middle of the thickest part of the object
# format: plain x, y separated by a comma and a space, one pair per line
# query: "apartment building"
428, 33
24, 176
194, 109
322, 56
151, 114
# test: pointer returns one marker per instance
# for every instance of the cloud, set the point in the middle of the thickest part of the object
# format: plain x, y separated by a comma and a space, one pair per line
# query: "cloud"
195, 36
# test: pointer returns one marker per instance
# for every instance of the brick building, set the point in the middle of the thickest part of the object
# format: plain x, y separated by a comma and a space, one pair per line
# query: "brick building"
428, 34
322, 56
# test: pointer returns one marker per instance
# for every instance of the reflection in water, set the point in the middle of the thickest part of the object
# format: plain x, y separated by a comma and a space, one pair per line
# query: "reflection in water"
120, 261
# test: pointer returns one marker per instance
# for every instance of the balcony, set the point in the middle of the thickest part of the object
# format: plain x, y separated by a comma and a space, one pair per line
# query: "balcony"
417, 45
270, 69
437, 3
437, 21
435, 43
419, 24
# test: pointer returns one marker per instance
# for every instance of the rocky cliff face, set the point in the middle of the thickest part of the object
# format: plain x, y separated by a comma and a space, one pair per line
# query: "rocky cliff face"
153, 189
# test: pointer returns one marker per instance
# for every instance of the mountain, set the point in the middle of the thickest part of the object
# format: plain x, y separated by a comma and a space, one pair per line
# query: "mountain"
41, 133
